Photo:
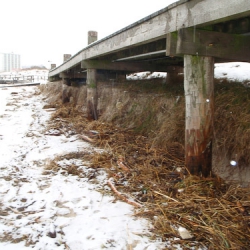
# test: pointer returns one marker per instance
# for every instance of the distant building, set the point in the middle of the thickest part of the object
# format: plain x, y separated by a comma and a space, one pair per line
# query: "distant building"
9, 61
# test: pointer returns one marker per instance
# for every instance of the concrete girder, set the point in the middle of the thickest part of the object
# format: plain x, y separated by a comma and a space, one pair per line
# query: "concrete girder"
73, 74
128, 66
209, 43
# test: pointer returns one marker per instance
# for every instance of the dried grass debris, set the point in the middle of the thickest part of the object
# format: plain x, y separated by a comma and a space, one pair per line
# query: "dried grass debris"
215, 213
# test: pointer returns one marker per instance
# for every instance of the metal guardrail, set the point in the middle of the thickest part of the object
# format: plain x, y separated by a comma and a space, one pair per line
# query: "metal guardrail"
28, 77
15, 79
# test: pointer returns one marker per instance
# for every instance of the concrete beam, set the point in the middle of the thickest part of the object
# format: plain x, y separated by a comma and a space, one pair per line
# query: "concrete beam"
171, 44
215, 44
148, 50
73, 75
143, 56
54, 78
122, 66
183, 14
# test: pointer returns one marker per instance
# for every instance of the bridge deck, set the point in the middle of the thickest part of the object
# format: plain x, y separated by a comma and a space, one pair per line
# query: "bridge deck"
182, 14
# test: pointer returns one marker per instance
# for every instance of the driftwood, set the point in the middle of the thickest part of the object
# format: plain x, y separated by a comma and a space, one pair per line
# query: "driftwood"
170, 198
240, 207
14, 210
122, 166
86, 138
122, 197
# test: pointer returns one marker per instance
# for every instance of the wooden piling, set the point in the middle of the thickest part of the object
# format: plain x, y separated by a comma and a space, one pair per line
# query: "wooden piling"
92, 94
92, 36
52, 66
66, 57
199, 97
174, 75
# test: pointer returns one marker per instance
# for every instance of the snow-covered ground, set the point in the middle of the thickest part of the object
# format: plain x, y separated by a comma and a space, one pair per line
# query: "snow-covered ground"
56, 210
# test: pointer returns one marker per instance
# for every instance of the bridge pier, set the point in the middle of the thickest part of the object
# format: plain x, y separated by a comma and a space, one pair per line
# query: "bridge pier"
174, 74
92, 94
94, 78
66, 81
199, 97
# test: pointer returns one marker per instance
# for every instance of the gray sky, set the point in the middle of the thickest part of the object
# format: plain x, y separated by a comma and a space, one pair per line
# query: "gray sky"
44, 30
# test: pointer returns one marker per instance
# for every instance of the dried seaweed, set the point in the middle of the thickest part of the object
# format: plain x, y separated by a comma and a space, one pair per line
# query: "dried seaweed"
217, 214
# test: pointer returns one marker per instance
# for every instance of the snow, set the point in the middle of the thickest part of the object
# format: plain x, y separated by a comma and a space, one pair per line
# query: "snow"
59, 210
56, 210
233, 71
146, 75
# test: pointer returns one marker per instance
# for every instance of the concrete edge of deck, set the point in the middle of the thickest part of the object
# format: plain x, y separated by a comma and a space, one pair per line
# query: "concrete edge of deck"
173, 5
184, 13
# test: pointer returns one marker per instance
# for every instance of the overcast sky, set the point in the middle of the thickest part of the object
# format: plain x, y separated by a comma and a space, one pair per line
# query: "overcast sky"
43, 30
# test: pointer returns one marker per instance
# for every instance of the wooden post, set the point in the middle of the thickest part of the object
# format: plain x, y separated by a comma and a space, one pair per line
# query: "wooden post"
92, 36
92, 94
52, 66
199, 96
173, 76
120, 77
92, 84
66, 57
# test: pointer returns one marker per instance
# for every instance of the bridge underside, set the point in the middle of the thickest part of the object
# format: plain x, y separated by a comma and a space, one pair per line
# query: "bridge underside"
191, 50
225, 41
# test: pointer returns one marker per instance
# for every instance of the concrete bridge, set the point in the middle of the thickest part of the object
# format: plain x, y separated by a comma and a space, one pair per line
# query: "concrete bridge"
189, 34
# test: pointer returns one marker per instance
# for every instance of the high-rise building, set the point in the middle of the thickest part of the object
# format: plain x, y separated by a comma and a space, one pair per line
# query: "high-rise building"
9, 61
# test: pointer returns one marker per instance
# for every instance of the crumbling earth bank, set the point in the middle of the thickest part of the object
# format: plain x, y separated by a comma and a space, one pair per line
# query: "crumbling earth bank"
142, 135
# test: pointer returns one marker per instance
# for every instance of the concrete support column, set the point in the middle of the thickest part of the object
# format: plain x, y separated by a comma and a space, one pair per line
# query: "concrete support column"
199, 97
92, 94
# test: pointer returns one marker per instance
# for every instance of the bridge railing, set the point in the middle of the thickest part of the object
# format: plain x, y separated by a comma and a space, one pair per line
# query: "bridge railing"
22, 78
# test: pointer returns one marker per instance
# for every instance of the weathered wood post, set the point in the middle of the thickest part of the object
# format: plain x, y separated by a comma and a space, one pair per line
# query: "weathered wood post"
92, 36
92, 93
173, 74
52, 66
199, 47
66, 57
92, 84
199, 97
